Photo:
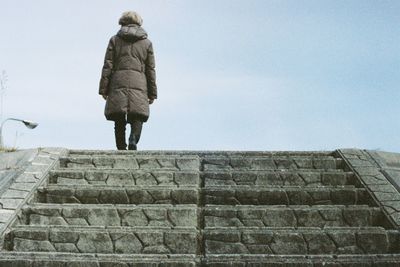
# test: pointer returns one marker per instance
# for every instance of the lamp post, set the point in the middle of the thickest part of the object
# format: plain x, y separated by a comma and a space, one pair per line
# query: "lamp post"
28, 124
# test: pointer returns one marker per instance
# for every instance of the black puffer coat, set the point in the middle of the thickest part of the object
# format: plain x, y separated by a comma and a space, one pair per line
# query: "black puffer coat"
128, 77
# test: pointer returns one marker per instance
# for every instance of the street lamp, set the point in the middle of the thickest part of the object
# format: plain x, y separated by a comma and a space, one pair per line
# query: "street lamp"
28, 124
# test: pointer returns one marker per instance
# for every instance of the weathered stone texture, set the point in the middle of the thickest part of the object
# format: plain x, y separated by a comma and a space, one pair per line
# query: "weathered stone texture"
247, 209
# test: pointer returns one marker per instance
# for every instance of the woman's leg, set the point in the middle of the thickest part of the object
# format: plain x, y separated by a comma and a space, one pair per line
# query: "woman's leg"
136, 131
119, 128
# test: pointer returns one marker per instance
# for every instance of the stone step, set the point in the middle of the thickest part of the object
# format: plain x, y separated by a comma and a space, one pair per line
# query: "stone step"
212, 216
59, 259
286, 195
77, 152
302, 241
279, 177
119, 240
385, 260
124, 177
293, 216
228, 195
109, 215
271, 163
136, 240
97, 194
132, 162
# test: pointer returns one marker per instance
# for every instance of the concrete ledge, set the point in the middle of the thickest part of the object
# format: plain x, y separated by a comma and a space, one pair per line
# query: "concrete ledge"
380, 174
30, 169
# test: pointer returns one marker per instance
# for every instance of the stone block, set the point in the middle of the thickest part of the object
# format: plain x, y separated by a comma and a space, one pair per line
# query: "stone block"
334, 179
319, 243
151, 238
263, 164
145, 179
188, 164
309, 218
269, 179
66, 247
277, 197
148, 164
257, 238
33, 245
120, 179
63, 237
126, 243
167, 163
183, 178
94, 242
285, 163
114, 196
183, 217
163, 178
139, 196
219, 247
126, 163
288, 243
279, 218
182, 243
134, 218
103, 217
373, 242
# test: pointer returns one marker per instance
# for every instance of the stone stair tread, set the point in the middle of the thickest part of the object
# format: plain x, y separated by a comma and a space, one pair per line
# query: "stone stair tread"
270, 163
238, 171
132, 162
49, 259
234, 230
229, 195
177, 216
279, 187
302, 241
299, 177
94, 228
93, 194
101, 186
198, 152
107, 206
108, 240
26, 259
286, 195
348, 260
124, 177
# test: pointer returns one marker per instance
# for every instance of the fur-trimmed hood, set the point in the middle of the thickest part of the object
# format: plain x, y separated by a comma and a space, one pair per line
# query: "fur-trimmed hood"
132, 33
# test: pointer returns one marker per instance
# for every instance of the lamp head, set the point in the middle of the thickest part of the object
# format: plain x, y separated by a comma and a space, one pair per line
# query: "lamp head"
30, 124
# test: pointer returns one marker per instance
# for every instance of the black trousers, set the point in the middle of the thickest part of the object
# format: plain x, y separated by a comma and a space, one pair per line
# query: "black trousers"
120, 127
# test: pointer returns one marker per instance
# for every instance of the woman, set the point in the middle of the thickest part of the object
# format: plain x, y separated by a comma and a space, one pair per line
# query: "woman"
128, 79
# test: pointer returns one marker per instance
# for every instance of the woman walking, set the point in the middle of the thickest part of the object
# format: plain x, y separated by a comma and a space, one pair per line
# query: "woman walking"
128, 79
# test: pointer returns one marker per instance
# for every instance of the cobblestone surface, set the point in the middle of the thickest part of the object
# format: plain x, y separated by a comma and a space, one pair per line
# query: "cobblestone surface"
125, 178
282, 178
119, 241
21, 189
110, 215
371, 172
156, 208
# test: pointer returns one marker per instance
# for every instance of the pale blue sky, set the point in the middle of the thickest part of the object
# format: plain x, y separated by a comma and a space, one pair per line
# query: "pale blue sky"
236, 75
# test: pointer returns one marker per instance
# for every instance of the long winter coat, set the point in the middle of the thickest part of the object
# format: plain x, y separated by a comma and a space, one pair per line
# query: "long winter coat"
128, 77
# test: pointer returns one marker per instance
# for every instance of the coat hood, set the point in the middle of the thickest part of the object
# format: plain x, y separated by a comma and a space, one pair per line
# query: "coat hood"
132, 33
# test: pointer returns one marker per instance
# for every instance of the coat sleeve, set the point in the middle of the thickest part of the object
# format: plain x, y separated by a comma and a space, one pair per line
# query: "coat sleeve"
151, 73
107, 68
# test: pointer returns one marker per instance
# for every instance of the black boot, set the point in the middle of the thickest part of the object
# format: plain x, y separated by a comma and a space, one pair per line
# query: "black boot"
136, 130
119, 129
132, 142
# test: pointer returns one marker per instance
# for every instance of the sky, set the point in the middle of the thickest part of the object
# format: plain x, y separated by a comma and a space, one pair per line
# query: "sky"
231, 74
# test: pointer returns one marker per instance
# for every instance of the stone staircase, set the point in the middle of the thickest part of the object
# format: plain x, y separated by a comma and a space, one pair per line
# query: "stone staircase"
108, 208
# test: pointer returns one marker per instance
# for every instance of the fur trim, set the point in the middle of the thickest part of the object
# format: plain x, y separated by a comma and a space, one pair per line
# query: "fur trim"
130, 17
